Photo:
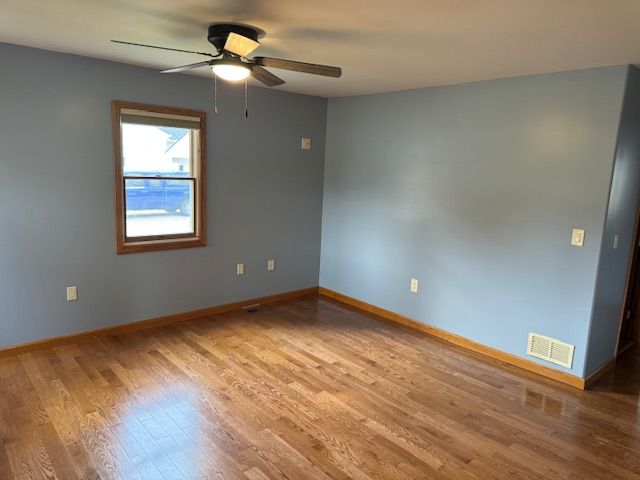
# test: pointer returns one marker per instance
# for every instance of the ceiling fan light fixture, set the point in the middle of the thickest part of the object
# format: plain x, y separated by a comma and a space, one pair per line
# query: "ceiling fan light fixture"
231, 70
233, 42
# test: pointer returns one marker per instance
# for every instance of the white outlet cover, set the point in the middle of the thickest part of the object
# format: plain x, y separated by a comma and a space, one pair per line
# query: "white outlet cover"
240, 269
414, 285
271, 265
305, 143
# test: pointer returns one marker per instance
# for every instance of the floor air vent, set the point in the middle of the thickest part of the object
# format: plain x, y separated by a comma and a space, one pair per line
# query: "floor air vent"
550, 349
252, 308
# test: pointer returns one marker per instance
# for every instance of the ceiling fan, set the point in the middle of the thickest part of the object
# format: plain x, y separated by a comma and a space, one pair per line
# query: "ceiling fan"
233, 43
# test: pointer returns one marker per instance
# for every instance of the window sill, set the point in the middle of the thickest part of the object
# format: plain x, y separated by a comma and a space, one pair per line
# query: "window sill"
156, 245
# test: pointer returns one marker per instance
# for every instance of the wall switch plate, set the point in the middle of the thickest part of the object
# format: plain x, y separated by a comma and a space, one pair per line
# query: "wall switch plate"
616, 241
305, 143
271, 264
577, 237
72, 293
414, 285
240, 269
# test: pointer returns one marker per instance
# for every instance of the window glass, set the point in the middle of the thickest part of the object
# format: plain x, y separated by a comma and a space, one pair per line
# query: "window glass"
159, 207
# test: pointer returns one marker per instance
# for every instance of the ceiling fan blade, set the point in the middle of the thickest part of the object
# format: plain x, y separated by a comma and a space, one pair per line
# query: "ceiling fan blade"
186, 67
265, 76
165, 48
241, 46
299, 66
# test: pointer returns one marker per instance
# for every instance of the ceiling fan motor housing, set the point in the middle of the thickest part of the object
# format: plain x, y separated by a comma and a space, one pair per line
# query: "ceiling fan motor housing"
219, 32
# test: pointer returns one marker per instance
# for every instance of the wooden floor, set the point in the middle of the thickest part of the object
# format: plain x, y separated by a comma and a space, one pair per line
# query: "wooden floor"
304, 389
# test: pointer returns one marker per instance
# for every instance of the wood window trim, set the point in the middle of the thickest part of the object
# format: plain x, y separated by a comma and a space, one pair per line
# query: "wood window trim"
199, 240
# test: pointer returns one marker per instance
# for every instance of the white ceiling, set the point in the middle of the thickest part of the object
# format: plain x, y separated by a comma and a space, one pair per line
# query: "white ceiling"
382, 45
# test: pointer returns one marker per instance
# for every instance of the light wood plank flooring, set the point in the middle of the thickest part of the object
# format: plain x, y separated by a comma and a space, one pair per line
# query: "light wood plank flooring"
305, 389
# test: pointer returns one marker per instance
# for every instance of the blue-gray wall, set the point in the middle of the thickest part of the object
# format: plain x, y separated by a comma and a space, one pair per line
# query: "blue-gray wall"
620, 220
56, 197
473, 190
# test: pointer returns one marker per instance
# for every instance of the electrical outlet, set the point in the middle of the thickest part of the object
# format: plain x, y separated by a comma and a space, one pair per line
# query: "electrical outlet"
616, 241
271, 264
240, 269
305, 143
414, 285
72, 293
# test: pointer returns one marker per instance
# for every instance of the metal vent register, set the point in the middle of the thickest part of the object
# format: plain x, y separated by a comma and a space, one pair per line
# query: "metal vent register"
550, 349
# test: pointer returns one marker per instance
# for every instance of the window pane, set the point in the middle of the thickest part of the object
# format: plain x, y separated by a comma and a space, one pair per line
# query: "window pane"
159, 207
149, 150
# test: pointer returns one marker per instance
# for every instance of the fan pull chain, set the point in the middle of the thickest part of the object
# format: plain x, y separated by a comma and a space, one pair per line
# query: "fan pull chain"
246, 100
215, 95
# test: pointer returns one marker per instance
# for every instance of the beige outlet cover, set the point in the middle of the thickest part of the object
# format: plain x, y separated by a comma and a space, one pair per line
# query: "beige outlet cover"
577, 237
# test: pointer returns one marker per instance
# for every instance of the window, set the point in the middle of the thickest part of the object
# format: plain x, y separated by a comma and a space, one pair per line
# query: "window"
159, 177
